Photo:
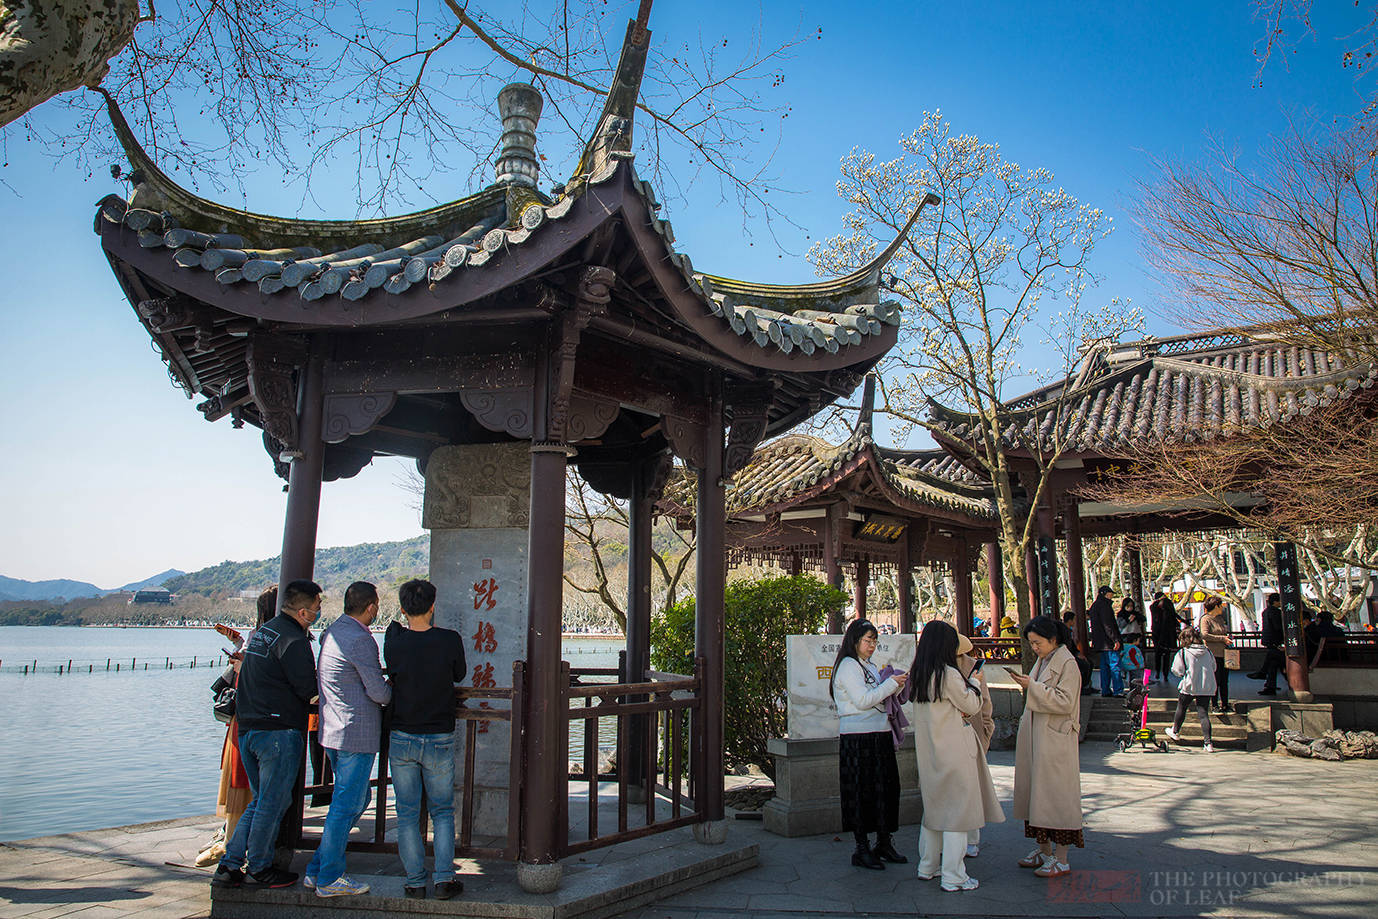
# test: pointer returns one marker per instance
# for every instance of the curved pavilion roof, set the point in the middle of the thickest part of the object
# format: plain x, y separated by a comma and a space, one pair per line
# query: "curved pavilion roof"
205, 277
1186, 389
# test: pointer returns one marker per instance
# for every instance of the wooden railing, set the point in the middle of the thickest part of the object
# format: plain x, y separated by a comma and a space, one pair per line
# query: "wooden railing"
473, 707
656, 751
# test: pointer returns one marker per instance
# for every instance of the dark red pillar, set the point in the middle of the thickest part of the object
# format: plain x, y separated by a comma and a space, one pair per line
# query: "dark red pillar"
547, 741
304, 481
832, 565
961, 591
709, 614
1076, 571
995, 571
863, 579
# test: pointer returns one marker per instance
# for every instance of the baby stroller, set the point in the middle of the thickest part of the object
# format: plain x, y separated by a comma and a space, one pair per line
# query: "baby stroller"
1136, 714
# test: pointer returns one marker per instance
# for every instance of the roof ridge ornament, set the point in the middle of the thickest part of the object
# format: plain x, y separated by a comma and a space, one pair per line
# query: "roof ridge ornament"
520, 105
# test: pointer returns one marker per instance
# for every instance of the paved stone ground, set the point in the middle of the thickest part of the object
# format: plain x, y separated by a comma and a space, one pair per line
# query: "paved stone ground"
1168, 835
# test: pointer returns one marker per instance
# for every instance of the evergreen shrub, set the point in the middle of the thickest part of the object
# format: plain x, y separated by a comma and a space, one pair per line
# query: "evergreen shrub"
759, 614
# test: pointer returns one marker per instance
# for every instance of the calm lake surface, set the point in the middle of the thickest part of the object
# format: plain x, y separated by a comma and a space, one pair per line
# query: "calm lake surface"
83, 750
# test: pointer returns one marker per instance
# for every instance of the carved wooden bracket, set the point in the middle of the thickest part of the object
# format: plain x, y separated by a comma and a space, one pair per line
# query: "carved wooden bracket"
687, 439
588, 417
272, 362
501, 410
165, 314
349, 414
591, 297
749, 407
660, 476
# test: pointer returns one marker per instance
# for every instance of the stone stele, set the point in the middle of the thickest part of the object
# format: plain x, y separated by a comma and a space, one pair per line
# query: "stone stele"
477, 508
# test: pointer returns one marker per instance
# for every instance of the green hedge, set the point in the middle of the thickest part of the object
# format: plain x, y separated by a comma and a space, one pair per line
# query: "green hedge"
759, 614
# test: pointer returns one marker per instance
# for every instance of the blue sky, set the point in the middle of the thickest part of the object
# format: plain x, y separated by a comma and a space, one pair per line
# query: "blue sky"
110, 474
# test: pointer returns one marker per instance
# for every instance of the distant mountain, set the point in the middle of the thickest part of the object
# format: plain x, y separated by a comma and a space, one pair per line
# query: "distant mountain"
383, 563
155, 581
17, 589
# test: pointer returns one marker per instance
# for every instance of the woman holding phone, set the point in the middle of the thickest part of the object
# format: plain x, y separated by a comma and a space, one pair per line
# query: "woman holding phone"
958, 795
868, 774
1047, 767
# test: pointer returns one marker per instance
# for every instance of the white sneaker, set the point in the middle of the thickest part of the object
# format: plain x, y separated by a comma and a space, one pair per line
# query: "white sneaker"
345, 886
973, 851
308, 882
968, 884
1172, 735
1208, 748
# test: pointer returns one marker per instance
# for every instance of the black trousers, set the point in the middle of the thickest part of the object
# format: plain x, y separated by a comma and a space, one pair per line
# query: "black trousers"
1273, 662
1222, 682
1162, 660
1202, 712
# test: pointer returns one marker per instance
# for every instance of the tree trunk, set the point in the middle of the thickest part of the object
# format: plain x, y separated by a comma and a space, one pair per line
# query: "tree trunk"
52, 46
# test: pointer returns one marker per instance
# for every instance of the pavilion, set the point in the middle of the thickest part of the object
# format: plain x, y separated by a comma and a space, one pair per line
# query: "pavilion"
496, 339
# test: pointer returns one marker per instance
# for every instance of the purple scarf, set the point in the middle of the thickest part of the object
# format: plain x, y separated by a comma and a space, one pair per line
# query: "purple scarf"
894, 707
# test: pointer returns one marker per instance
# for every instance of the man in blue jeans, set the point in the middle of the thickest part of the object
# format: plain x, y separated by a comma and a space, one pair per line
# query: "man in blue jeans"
277, 680
424, 663
1105, 638
353, 693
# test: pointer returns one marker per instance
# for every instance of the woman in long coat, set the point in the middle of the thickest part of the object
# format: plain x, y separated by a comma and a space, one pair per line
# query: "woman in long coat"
1047, 771
958, 795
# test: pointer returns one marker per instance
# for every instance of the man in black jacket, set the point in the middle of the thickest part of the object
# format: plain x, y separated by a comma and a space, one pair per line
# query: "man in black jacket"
277, 681
1273, 658
1105, 638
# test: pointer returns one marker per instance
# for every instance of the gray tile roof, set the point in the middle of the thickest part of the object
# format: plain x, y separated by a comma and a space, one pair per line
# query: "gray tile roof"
1185, 390
797, 465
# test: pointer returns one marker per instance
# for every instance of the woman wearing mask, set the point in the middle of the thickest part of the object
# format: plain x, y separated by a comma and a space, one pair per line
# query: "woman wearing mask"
1047, 768
958, 795
868, 774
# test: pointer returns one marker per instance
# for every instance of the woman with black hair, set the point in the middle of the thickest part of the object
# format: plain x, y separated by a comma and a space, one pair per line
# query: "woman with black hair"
958, 795
868, 774
1047, 771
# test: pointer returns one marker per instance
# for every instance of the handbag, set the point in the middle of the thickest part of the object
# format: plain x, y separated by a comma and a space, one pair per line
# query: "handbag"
1231, 658
223, 706
223, 691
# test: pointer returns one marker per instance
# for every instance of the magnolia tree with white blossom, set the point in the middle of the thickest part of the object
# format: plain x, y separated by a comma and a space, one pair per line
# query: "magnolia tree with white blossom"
1000, 265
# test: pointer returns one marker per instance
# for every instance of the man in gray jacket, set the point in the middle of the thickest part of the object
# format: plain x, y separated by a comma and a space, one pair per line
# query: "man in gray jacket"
353, 693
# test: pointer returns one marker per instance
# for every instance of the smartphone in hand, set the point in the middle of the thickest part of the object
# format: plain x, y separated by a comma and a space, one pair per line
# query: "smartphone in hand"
980, 662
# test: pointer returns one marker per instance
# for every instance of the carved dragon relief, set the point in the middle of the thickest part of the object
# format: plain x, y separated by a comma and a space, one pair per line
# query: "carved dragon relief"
350, 414
272, 363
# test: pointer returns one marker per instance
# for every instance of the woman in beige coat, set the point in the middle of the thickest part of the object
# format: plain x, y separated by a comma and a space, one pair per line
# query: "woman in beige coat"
1047, 771
983, 722
958, 795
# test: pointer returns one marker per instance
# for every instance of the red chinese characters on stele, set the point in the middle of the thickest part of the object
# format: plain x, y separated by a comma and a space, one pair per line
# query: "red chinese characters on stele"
483, 594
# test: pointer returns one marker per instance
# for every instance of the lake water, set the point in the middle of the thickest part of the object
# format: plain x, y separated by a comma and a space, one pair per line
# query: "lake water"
86, 750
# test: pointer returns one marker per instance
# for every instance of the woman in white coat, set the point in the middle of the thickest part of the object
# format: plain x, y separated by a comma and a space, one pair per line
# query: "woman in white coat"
1047, 771
868, 775
958, 795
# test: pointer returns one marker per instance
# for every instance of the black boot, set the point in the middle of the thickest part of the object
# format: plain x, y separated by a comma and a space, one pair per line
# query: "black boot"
885, 850
862, 857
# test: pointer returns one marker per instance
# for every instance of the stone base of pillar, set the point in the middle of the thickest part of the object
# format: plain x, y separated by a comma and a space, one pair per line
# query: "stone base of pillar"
711, 832
636, 794
1301, 696
539, 878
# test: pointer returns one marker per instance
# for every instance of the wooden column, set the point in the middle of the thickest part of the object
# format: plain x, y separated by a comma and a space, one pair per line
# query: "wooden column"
1076, 571
962, 599
904, 584
1136, 578
709, 614
638, 651
832, 565
1031, 575
863, 579
1047, 536
639, 571
304, 481
995, 570
546, 720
